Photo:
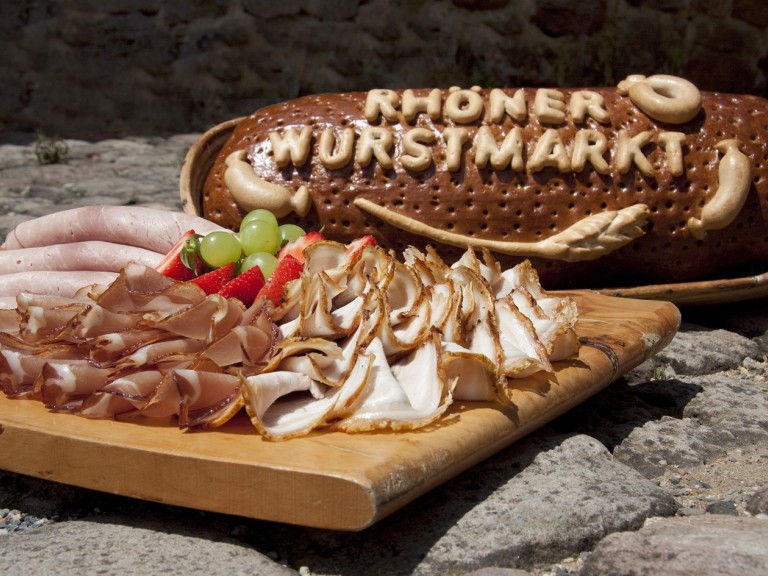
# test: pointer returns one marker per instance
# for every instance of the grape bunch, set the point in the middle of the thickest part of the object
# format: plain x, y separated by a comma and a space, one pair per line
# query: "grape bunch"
256, 244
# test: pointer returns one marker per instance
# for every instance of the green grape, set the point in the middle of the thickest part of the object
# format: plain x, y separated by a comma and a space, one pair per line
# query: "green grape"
289, 233
258, 214
220, 248
267, 262
259, 236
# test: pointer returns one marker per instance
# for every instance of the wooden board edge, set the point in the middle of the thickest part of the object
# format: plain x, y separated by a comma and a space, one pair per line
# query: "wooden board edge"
50, 456
362, 497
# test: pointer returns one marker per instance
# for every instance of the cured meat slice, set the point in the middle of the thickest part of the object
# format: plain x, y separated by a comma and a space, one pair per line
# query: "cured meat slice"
122, 397
163, 353
152, 229
109, 348
207, 399
284, 405
86, 255
19, 371
55, 282
38, 324
164, 400
473, 375
524, 352
141, 289
66, 384
205, 320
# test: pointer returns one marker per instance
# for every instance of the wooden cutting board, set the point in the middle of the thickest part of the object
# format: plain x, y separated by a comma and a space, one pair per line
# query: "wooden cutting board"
328, 479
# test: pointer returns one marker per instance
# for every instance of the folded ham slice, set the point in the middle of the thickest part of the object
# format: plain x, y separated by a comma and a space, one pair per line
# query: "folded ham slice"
85, 255
55, 282
148, 228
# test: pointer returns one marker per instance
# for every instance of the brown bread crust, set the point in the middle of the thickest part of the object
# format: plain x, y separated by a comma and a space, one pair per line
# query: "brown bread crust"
527, 206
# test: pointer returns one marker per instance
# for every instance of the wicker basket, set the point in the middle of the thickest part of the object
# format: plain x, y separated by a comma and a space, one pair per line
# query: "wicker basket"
198, 162
202, 155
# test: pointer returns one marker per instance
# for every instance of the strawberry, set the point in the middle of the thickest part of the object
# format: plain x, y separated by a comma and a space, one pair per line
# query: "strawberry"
289, 268
211, 282
244, 287
182, 261
296, 248
355, 247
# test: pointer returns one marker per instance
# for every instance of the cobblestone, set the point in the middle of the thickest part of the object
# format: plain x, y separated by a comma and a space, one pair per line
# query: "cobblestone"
681, 441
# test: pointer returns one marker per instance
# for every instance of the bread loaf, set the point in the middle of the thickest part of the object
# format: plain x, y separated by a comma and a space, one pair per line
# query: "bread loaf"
649, 182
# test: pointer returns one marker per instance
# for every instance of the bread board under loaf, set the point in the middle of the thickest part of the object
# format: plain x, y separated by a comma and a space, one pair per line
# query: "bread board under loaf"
326, 479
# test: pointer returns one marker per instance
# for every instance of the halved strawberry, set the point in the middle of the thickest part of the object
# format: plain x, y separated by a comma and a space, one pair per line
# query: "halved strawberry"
296, 248
244, 287
182, 262
211, 282
354, 247
289, 268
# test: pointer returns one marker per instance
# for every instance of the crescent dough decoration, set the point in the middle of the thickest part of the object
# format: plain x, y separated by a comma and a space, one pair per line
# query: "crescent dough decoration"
733, 185
649, 182
251, 192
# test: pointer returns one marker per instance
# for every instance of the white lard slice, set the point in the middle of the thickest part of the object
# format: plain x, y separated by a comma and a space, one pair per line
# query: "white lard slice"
285, 404
405, 397
472, 374
523, 352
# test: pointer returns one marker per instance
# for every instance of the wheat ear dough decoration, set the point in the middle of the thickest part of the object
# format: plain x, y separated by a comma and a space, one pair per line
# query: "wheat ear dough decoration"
587, 239
251, 192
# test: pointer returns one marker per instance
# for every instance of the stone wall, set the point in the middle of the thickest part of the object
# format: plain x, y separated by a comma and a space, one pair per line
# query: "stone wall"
93, 69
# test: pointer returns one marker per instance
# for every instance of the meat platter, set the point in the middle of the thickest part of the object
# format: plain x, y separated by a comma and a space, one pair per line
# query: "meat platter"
328, 480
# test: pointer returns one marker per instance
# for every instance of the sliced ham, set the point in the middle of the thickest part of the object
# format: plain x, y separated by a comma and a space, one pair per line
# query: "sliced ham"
247, 346
155, 230
111, 347
208, 399
65, 384
87, 255
18, 372
38, 324
123, 396
141, 289
57, 283
164, 353
165, 399
9, 316
113, 352
206, 320
400, 396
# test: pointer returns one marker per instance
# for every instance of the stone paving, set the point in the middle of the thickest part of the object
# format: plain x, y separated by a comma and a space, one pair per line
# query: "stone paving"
665, 471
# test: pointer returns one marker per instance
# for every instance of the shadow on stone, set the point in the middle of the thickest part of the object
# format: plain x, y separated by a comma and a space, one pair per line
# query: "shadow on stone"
611, 415
513, 510
750, 318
